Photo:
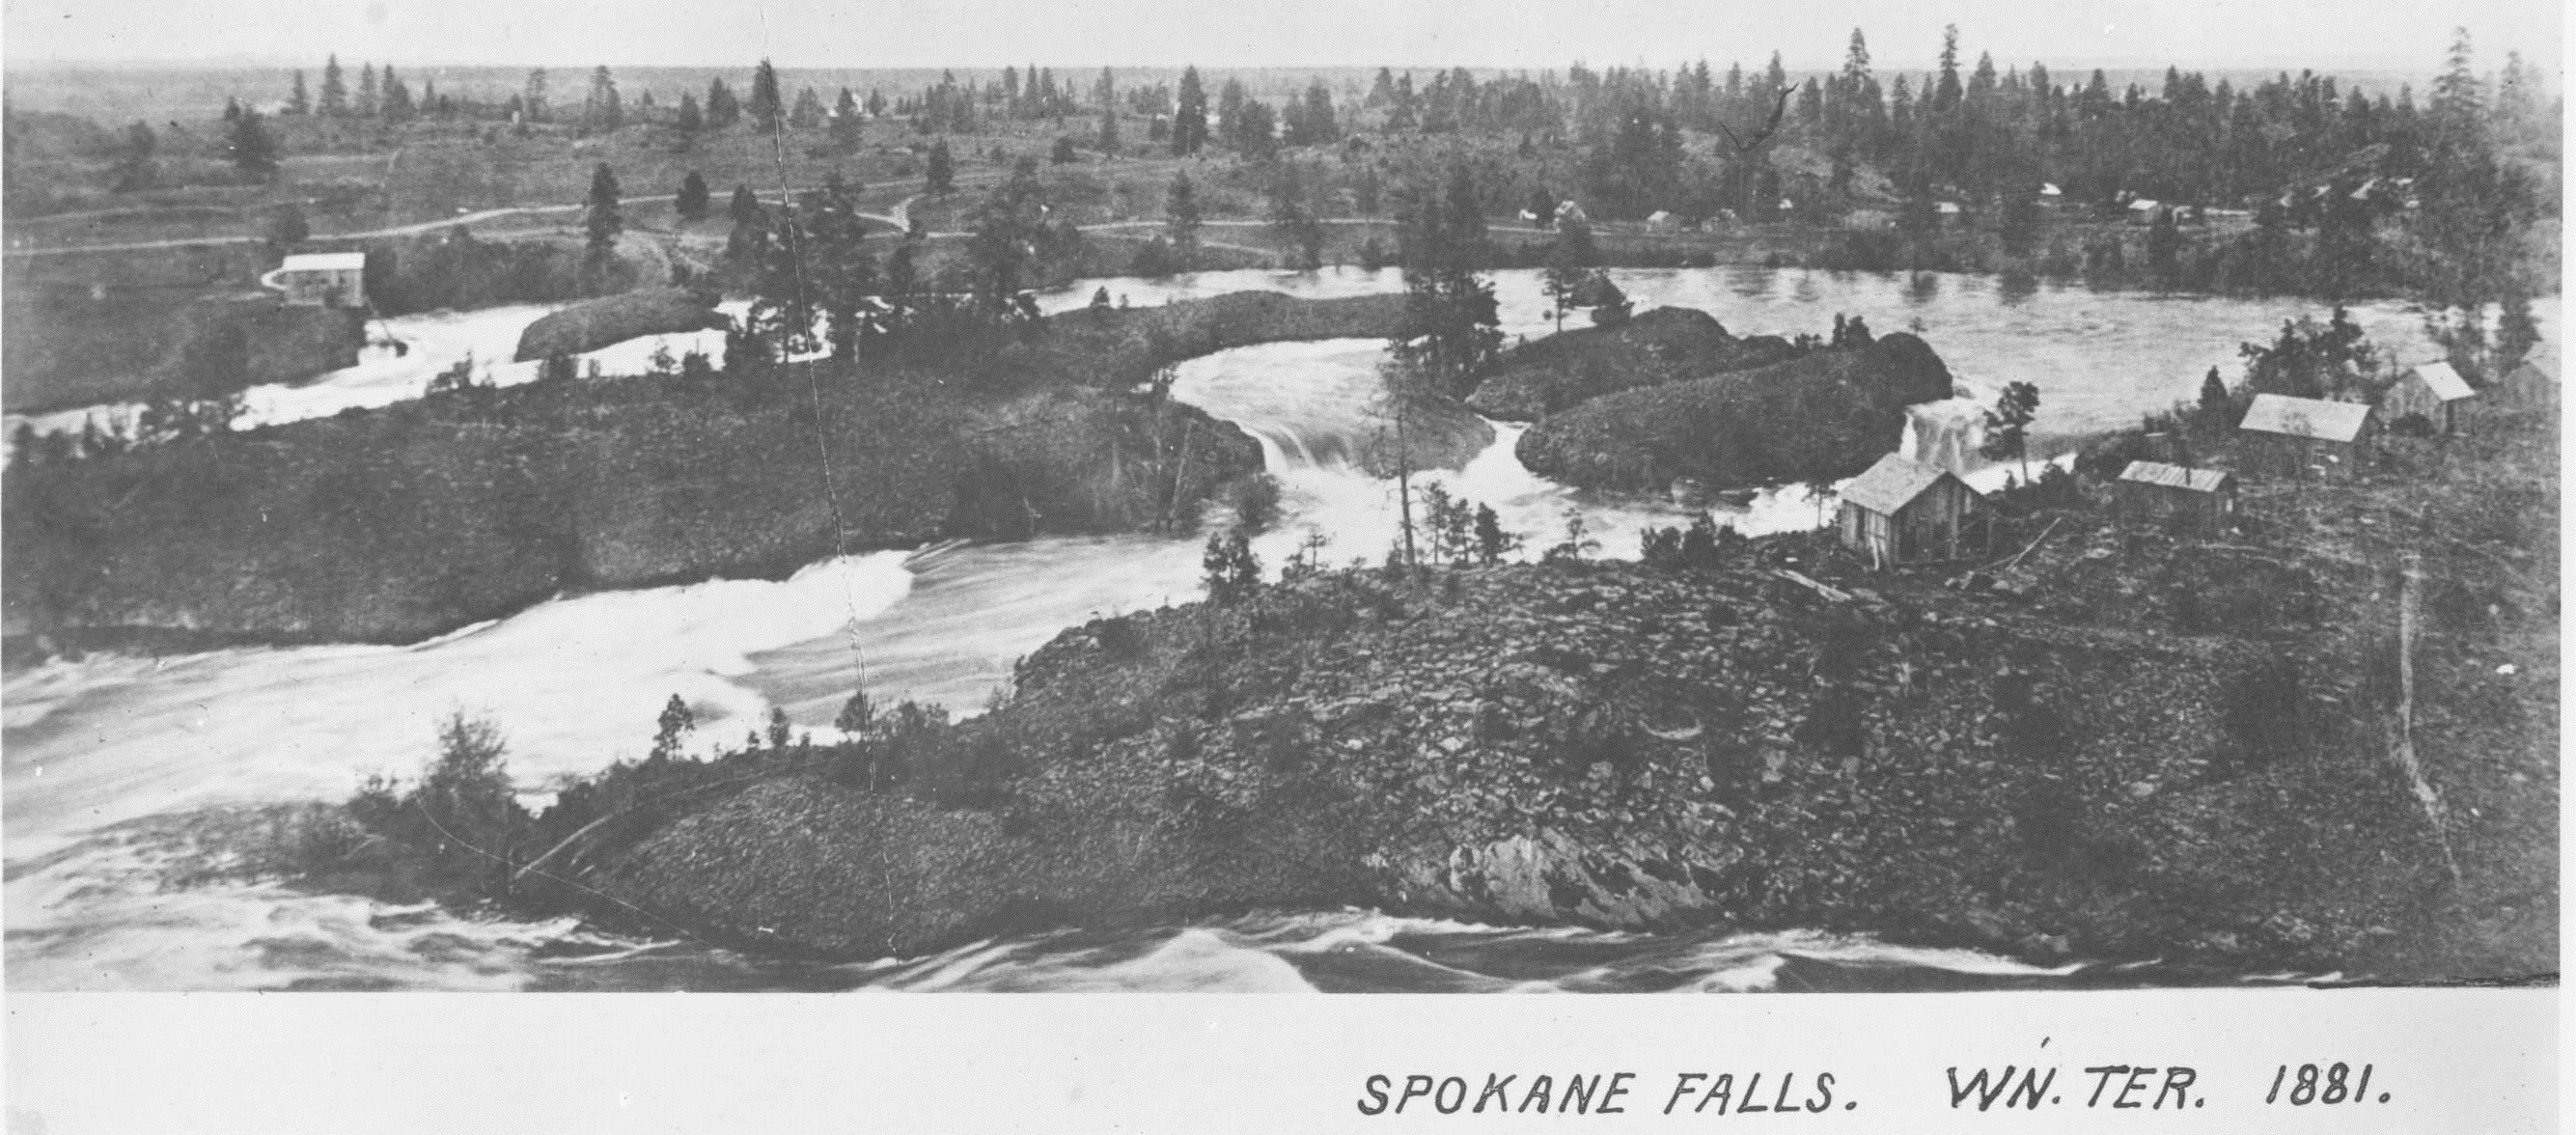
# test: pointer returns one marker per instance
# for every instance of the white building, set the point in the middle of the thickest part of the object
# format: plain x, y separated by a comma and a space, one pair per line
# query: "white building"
324, 279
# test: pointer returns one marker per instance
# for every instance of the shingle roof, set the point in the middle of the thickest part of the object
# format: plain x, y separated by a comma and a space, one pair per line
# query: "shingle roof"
2446, 383
2305, 417
1891, 484
2175, 476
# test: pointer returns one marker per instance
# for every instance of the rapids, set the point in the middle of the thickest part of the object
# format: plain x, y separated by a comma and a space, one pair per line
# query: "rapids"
98, 747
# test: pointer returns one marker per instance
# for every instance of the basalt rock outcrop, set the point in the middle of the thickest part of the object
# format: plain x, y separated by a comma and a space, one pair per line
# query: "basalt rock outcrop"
1667, 344
1821, 416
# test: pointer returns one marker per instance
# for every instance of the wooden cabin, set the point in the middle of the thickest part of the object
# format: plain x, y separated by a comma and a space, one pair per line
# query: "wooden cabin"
2197, 501
327, 279
2299, 437
2429, 391
1904, 511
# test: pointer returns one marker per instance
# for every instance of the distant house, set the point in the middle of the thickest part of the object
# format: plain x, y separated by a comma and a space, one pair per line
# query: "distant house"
1662, 220
2143, 211
324, 279
1569, 212
2427, 391
2528, 387
2292, 436
2201, 501
1902, 510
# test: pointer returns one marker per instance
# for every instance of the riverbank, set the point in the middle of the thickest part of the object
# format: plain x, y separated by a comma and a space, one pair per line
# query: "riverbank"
2123, 744
397, 524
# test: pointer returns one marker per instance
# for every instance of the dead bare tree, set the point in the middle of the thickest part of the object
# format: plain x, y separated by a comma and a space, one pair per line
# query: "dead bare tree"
1779, 109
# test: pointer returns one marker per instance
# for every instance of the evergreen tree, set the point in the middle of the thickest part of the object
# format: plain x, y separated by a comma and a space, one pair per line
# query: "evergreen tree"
766, 105
1108, 143
368, 107
1233, 573
532, 101
397, 104
297, 102
600, 108
808, 111
1947, 93
942, 176
847, 124
1181, 213
2459, 99
744, 209
250, 147
2214, 404
335, 90
676, 722
691, 204
2008, 424
692, 119
1189, 123
722, 110
1062, 153
600, 222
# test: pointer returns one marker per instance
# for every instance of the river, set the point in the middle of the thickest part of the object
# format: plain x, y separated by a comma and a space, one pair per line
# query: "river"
104, 751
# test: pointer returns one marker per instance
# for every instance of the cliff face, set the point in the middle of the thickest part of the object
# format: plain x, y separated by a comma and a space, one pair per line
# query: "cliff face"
1818, 417
1668, 344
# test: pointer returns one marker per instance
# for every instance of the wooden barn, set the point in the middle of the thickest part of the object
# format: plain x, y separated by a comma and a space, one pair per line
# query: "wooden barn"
2197, 501
2528, 387
1902, 511
2428, 391
2294, 437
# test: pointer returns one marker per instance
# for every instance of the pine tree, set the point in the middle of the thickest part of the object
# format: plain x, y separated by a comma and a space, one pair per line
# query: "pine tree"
1189, 123
691, 204
600, 107
780, 730
368, 106
1946, 95
397, 104
533, 100
297, 102
808, 111
335, 90
675, 723
1181, 212
722, 110
691, 119
942, 175
847, 125
2459, 100
600, 222
252, 150
744, 209
766, 105
2213, 397
1108, 143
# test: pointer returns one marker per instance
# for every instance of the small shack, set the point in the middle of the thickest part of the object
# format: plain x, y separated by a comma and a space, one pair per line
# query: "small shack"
2291, 436
1903, 510
321, 279
2198, 501
2428, 391
2528, 387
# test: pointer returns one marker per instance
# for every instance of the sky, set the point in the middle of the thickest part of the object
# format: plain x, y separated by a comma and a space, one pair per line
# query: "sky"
2407, 34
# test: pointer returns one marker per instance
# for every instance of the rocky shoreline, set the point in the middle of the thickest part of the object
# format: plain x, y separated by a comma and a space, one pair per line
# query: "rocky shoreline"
2124, 748
398, 524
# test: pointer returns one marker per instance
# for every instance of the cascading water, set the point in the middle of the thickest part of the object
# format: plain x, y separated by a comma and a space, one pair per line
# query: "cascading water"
575, 683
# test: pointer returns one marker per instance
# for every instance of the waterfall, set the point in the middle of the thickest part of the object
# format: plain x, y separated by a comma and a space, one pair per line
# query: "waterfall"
1946, 433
